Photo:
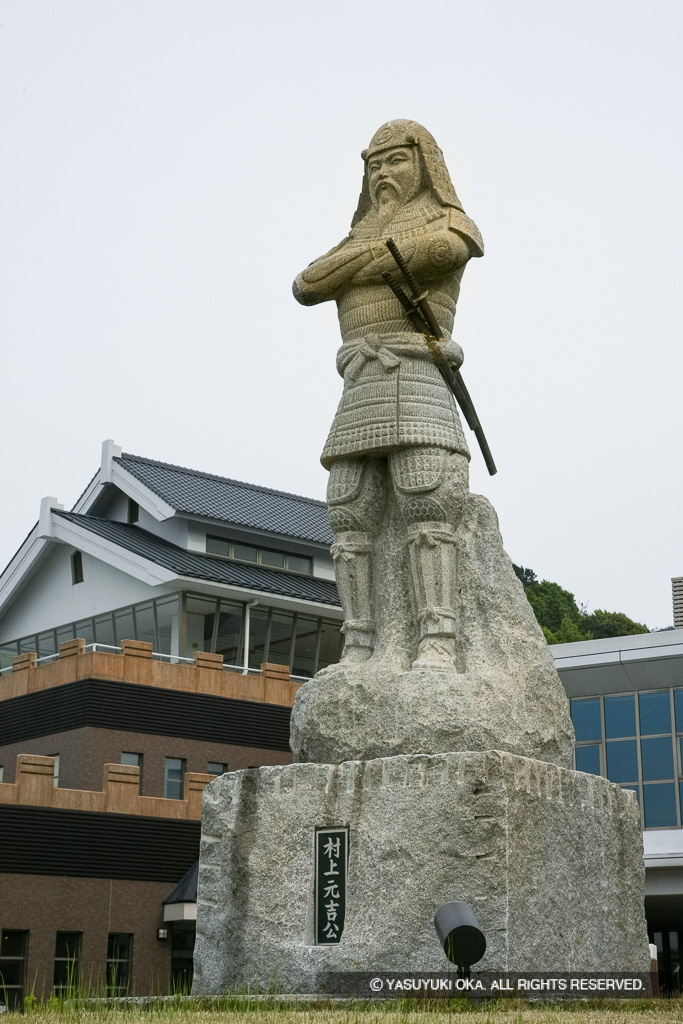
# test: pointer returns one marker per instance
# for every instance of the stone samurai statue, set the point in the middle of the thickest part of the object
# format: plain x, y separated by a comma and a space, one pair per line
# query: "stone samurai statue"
397, 431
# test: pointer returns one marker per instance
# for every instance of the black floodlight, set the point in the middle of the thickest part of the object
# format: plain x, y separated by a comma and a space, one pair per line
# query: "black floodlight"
463, 941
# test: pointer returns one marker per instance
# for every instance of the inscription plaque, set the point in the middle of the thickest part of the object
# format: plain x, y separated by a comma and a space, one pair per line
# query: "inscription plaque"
331, 862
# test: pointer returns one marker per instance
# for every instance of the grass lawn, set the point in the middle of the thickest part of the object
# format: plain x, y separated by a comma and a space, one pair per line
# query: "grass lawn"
245, 1011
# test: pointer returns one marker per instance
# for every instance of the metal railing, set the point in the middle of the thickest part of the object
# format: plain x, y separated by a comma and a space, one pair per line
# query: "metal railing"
170, 659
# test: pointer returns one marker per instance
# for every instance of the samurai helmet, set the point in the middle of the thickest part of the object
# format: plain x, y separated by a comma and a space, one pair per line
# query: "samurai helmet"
435, 174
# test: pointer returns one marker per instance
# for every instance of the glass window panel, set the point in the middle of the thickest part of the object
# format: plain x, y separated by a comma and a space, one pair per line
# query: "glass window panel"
11, 974
620, 716
117, 977
86, 629
104, 630
137, 760
230, 638
659, 800
76, 567
633, 789
46, 644
218, 546
656, 756
119, 951
280, 646
588, 759
678, 709
28, 644
622, 761
144, 624
167, 621
245, 553
586, 719
330, 644
174, 771
297, 563
13, 943
655, 712
63, 969
118, 946
7, 654
304, 646
216, 768
67, 944
276, 559
123, 622
258, 636
183, 940
64, 634
201, 614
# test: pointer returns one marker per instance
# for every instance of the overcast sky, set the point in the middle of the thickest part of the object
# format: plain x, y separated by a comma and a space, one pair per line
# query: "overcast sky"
168, 167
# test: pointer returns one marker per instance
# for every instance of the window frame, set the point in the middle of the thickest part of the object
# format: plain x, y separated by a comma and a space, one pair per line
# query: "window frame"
113, 990
134, 764
167, 781
73, 979
8, 988
260, 551
639, 785
77, 568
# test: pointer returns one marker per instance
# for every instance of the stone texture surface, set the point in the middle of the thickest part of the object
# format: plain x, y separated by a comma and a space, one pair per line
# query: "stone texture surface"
503, 692
397, 431
550, 859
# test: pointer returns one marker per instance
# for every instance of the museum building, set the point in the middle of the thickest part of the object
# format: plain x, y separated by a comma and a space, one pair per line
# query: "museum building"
155, 636
626, 697
151, 638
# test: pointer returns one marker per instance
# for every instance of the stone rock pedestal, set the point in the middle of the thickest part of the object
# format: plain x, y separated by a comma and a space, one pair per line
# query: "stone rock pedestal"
550, 859
502, 693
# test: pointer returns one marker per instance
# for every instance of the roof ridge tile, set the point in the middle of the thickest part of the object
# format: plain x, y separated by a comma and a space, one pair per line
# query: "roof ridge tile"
221, 479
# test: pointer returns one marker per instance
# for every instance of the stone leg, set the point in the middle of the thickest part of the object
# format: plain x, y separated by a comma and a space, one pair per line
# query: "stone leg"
352, 553
431, 485
355, 503
431, 548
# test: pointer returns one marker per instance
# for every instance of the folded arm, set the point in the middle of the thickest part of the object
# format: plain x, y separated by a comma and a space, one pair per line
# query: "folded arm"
326, 277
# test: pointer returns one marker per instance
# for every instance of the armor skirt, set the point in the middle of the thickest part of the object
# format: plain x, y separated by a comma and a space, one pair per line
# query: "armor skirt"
391, 401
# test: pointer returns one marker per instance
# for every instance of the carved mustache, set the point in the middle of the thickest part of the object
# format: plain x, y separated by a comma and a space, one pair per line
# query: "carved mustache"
386, 183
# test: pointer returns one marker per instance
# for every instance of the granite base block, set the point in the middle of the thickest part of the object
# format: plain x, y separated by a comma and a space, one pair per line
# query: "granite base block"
550, 859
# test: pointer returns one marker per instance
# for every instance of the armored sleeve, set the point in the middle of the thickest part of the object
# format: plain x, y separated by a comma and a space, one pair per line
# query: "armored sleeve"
325, 277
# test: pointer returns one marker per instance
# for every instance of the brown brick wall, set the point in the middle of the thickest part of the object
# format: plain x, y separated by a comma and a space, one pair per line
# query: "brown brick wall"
84, 752
94, 906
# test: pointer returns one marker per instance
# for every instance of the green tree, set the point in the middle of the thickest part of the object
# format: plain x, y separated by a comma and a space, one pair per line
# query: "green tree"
561, 618
603, 624
553, 605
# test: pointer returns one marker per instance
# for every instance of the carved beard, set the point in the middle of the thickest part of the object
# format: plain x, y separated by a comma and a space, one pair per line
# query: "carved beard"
387, 207
389, 200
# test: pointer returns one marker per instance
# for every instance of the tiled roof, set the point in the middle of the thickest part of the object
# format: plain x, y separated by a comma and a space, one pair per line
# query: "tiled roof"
207, 567
186, 889
216, 497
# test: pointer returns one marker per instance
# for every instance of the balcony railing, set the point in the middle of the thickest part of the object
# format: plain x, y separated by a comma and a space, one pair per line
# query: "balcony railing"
169, 659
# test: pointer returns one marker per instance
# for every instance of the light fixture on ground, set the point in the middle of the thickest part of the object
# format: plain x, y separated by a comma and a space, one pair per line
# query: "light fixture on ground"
463, 941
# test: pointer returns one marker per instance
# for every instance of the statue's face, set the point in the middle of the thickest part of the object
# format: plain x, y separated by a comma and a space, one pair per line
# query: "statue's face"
393, 175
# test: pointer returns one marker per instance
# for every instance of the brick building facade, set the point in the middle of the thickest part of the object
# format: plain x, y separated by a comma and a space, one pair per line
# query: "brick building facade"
88, 857
153, 636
